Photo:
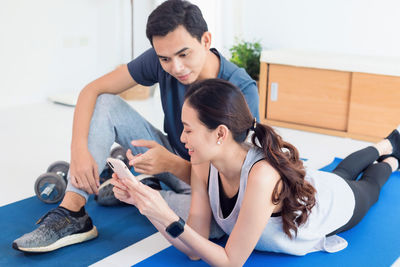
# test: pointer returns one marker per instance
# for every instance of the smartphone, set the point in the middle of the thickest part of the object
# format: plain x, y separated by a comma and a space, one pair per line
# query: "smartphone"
119, 167
123, 172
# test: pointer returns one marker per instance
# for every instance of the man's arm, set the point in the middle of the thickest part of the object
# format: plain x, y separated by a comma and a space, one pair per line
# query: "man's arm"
250, 93
83, 169
181, 168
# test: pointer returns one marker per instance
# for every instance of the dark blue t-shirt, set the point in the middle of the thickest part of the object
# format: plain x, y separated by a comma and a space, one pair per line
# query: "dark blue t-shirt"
146, 70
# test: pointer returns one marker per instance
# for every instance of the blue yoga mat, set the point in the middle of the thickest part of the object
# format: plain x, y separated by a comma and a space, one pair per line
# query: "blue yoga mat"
375, 241
119, 227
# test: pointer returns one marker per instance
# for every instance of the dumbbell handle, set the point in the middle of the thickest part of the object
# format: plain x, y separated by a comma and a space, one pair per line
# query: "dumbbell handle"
47, 191
62, 174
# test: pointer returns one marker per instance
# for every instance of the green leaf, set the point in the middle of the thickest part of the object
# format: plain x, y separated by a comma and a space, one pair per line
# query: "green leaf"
247, 55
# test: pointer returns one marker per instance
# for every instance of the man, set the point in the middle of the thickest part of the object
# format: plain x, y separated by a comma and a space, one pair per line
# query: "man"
180, 55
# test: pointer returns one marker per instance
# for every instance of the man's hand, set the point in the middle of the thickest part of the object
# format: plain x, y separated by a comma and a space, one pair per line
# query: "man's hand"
83, 171
155, 160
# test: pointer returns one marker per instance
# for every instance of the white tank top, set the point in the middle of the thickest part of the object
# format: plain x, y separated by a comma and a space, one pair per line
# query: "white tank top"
334, 207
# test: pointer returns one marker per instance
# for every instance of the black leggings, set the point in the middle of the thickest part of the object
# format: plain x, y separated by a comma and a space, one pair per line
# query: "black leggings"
366, 189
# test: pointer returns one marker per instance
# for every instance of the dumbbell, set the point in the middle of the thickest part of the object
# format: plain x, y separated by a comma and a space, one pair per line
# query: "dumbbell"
50, 186
117, 152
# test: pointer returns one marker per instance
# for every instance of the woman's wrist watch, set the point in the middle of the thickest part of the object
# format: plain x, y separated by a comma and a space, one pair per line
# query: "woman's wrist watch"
176, 228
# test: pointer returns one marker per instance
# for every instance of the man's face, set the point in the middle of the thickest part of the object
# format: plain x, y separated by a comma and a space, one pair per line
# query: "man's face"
181, 54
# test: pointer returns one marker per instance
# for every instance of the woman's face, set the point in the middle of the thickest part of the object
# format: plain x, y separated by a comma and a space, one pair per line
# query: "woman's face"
198, 139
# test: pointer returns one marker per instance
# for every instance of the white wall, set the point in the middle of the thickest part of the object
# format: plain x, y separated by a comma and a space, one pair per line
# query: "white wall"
142, 9
364, 27
211, 12
49, 47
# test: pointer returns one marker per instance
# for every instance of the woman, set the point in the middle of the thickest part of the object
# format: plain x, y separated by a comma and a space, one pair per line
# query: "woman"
259, 193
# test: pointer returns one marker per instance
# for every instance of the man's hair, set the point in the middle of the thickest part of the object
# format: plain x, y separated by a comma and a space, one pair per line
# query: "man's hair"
173, 13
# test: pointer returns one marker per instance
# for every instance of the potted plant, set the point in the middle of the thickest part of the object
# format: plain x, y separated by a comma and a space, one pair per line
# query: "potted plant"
247, 55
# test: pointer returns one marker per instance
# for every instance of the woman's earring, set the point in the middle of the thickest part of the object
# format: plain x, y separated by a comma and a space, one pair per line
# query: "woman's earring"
219, 142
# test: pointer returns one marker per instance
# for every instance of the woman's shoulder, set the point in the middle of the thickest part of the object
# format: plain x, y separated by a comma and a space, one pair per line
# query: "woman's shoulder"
263, 172
262, 167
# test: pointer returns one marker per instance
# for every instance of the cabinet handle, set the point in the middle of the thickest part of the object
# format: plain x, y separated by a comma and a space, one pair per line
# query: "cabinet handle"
274, 91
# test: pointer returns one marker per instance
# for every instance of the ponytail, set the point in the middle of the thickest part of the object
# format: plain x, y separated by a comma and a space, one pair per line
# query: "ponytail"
296, 195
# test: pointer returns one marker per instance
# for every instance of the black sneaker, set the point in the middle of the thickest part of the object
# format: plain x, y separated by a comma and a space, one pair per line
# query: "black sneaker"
106, 195
57, 229
153, 182
394, 139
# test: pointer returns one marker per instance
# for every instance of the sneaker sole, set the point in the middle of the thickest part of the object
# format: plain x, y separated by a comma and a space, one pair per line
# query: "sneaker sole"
105, 184
65, 241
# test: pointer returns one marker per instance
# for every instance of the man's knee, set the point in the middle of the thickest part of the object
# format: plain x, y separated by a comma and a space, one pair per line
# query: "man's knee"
107, 100
106, 104
116, 107
112, 105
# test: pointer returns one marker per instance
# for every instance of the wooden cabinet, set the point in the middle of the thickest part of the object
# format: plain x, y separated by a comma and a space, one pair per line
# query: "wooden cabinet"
328, 99
312, 97
375, 104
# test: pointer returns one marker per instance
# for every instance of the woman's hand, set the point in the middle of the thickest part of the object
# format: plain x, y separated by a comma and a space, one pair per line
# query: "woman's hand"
149, 201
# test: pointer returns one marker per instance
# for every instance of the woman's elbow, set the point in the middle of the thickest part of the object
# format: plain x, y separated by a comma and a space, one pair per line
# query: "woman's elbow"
194, 257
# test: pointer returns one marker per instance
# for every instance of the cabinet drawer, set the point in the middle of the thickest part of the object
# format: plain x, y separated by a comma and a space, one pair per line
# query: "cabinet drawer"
307, 96
375, 104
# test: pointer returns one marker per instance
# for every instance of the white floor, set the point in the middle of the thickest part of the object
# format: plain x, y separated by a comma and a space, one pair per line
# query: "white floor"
34, 136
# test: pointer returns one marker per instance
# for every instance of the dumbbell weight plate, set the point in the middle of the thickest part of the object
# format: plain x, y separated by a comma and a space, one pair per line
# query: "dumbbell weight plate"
47, 179
119, 153
59, 167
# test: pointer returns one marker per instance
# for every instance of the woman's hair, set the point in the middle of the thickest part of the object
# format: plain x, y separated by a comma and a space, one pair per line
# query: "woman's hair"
173, 13
219, 102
